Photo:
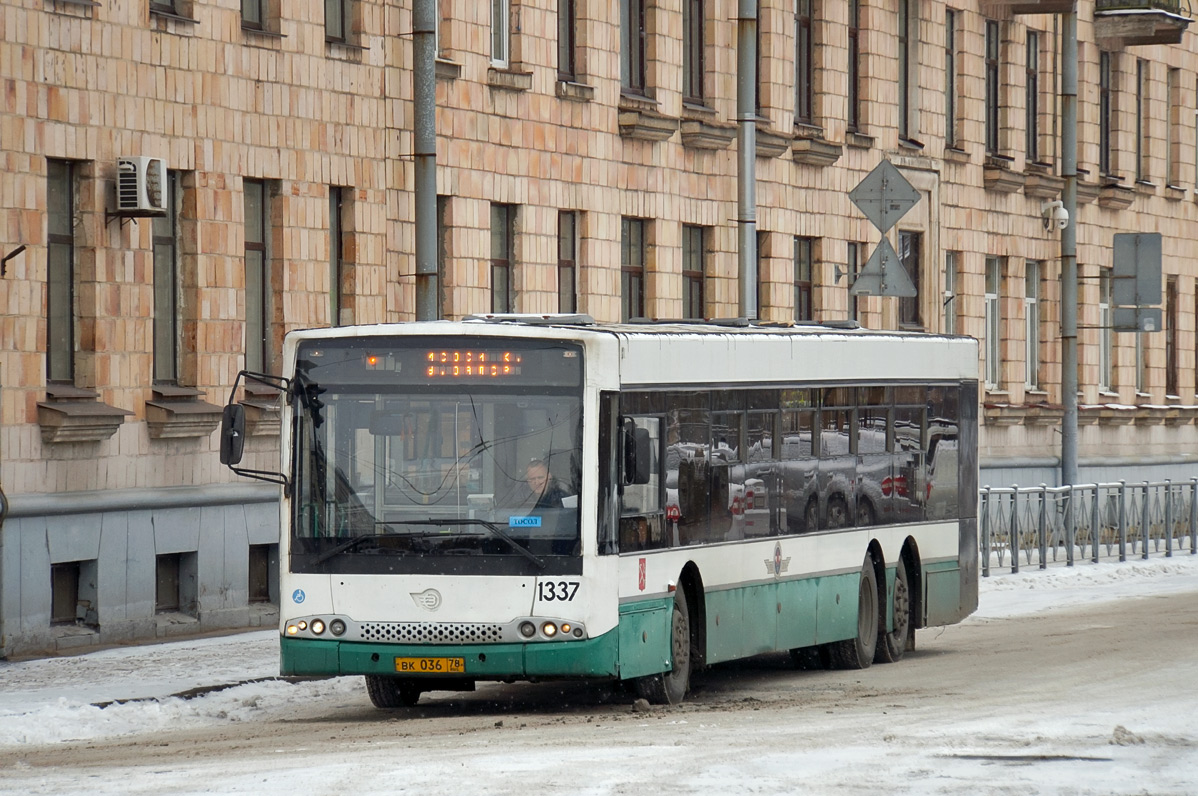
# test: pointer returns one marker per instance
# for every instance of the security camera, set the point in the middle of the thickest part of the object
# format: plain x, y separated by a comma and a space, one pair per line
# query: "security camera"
1055, 214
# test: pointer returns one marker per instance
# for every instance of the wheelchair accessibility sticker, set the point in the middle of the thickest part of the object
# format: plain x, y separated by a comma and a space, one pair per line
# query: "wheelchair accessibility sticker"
298, 596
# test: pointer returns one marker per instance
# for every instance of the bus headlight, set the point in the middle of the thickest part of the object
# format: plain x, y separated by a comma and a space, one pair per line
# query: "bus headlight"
318, 626
337, 627
528, 629
549, 630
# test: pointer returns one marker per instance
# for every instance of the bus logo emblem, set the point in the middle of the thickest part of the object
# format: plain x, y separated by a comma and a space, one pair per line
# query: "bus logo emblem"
640, 575
429, 599
777, 565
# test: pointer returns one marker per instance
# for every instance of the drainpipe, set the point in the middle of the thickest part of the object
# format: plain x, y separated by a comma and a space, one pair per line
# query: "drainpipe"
424, 144
746, 150
1069, 250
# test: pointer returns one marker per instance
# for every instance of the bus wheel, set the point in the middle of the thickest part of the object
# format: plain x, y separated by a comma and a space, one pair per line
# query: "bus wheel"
858, 653
391, 692
668, 688
892, 645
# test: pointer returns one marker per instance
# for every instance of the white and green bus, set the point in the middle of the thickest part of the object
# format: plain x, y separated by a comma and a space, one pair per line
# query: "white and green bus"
530, 497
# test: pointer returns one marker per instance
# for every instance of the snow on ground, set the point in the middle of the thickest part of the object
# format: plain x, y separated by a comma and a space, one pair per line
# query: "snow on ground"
71, 698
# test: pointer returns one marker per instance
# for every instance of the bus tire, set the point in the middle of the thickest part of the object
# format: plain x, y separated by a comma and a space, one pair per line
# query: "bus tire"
669, 688
858, 653
391, 692
892, 645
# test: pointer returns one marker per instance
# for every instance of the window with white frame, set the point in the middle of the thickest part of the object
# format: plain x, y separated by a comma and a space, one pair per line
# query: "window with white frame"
951, 265
501, 33
1031, 325
993, 322
1105, 331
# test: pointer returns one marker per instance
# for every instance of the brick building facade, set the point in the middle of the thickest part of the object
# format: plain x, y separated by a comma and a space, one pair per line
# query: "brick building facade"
586, 156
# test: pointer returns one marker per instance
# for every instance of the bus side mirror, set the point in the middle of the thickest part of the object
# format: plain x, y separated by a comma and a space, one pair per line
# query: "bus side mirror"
232, 435
637, 454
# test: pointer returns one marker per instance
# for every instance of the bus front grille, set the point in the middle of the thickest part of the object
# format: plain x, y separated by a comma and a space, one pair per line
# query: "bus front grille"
432, 632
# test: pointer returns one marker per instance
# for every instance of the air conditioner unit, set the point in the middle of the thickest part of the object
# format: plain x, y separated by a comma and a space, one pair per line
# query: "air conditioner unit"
140, 187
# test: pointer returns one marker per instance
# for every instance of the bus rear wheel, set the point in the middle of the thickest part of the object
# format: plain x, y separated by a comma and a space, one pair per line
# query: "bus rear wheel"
858, 653
892, 645
391, 692
669, 688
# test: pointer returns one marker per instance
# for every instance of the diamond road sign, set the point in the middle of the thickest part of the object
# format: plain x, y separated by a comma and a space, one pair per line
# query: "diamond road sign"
884, 196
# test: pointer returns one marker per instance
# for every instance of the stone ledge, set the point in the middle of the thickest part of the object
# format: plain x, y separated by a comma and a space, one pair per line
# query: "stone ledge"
998, 176
446, 69
177, 412
1040, 184
262, 416
510, 79
701, 129
579, 92
1116, 197
639, 118
771, 144
72, 414
815, 151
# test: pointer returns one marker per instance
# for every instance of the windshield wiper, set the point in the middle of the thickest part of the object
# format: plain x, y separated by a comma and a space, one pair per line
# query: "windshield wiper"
490, 526
348, 544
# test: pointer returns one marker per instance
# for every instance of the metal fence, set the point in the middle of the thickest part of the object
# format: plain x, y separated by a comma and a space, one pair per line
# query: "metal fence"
1036, 525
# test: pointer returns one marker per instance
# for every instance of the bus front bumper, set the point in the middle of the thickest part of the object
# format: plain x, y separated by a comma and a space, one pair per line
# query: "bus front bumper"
597, 657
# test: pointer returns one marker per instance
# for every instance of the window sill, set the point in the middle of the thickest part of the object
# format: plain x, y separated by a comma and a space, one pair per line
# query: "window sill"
1175, 192
262, 416
910, 143
446, 69
72, 414
170, 17
770, 143
701, 129
260, 32
859, 140
638, 117
955, 155
574, 91
177, 412
509, 79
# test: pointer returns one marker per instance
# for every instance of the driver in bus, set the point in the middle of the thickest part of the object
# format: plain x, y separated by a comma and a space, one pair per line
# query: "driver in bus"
544, 487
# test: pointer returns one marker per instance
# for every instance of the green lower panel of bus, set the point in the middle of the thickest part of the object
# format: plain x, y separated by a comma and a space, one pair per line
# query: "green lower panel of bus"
595, 657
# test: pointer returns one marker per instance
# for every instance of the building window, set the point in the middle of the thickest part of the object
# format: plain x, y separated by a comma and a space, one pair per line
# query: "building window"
503, 223
60, 271
952, 267
1105, 115
804, 251
1141, 365
632, 45
336, 20
567, 40
906, 23
1105, 331
1032, 87
1031, 324
762, 239
165, 232
500, 33
856, 261
993, 78
567, 261
693, 24
336, 253
910, 253
854, 65
1171, 388
950, 78
64, 593
442, 250
251, 14
257, 276
993, 321
1173, 151
694, 253
632, 268
263, 561
804, 61
1141, 120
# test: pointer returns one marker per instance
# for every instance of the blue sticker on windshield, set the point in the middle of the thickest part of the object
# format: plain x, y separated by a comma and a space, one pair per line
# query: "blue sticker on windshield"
524, 522
298, 596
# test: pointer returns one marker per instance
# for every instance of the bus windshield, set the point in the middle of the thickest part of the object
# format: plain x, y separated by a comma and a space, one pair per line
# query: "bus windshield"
463, 456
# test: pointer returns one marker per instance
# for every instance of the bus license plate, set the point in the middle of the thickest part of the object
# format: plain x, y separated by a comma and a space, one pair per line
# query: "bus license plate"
430, 665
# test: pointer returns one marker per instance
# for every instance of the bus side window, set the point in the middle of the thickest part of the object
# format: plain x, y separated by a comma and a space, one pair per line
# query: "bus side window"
641, 512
